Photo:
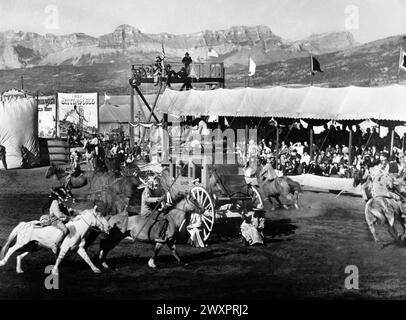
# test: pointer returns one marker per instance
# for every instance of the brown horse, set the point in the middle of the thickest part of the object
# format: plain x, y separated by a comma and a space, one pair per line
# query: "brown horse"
274, 187
98, 181
75, 182
157, 228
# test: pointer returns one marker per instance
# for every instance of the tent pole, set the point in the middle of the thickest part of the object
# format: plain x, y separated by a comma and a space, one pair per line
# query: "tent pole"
392, 139
277, 145
246, 141
311, 143
350, 146
131, 129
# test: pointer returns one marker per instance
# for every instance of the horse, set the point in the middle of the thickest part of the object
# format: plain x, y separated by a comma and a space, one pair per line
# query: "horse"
75, 182
90, 155
114, 197
387, 212
273, 186
30, 235
369, 180
385, 207
97, 180
157, 228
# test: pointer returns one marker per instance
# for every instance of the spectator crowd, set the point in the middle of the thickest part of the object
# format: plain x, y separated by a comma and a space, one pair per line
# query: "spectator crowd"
293, 157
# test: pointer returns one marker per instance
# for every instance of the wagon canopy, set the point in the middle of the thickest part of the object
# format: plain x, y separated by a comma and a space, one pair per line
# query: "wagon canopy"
347, 103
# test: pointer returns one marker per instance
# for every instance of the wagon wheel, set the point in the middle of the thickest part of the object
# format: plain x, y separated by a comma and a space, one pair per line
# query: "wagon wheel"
257, 201
204, 199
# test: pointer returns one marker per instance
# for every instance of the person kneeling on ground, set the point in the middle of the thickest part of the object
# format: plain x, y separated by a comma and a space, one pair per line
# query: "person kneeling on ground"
194, 229
252, 228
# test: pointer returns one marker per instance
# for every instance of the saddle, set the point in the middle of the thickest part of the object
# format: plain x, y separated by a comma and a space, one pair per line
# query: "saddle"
47, 221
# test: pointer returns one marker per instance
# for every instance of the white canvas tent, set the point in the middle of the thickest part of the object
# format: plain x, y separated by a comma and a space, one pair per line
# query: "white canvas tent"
19, 128
347, 103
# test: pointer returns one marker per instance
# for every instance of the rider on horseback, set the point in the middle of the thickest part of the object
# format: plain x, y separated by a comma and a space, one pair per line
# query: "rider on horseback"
58, 214
148, 199
74, 170
150, 203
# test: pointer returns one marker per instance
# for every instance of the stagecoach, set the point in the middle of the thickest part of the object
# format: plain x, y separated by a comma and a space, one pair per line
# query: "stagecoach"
221, 189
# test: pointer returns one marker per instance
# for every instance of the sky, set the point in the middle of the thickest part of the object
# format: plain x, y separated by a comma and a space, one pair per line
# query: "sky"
368, 20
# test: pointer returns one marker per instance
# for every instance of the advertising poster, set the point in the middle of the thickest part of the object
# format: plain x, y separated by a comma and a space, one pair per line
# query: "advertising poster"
77, 112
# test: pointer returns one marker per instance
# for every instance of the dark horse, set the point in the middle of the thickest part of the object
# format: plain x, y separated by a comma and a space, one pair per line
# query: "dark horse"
157, 228
97, 180
75, 182
116, 204
273, 187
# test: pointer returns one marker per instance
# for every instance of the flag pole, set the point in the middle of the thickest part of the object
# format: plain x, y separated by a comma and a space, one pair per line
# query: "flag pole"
311, 69
400, 60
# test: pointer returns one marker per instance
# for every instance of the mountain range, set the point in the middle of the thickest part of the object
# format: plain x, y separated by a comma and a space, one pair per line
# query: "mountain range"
128, 44
79, 62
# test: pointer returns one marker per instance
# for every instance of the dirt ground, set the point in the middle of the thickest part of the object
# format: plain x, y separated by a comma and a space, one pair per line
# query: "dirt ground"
306, 255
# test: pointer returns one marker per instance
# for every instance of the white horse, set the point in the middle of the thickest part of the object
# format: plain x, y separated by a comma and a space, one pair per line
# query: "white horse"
26, 233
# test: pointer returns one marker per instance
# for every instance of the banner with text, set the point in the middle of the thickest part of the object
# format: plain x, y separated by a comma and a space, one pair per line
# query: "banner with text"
77, 112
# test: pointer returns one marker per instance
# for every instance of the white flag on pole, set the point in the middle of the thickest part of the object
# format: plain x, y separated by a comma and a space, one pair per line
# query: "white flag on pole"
106, 97
212, 53
192, 72
251, 67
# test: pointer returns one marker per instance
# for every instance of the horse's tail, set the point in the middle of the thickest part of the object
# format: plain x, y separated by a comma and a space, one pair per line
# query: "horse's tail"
10, 239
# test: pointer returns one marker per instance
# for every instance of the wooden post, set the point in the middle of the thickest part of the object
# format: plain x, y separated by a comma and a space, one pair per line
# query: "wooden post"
277, 143
350, 147
131, 129
165, 140
311, 143
246, 141
392, 139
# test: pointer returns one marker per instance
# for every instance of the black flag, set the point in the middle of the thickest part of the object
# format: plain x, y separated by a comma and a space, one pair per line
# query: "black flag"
402, 60
315, 65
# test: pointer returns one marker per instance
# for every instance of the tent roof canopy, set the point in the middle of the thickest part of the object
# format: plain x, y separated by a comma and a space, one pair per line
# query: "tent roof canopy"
347, 103
118, 110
